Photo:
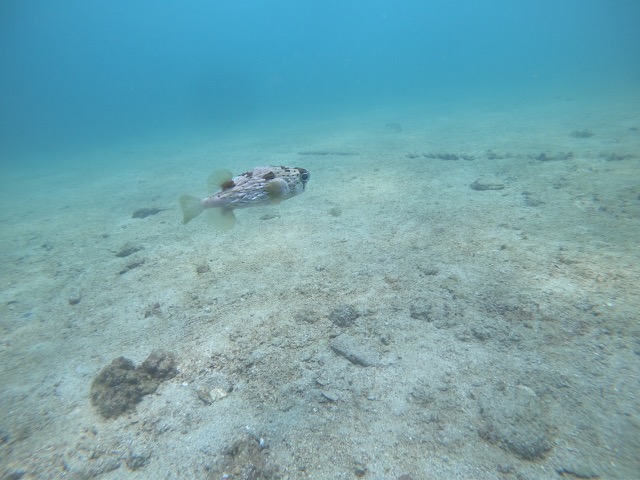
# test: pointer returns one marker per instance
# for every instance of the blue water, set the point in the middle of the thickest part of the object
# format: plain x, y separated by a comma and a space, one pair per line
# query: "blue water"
77, 74
455, 294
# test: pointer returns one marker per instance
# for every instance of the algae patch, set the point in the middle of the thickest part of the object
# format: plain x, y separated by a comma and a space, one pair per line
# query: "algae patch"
120, 386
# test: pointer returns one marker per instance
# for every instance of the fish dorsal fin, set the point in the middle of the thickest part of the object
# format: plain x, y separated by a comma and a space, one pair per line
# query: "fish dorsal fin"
218, 180
277, 190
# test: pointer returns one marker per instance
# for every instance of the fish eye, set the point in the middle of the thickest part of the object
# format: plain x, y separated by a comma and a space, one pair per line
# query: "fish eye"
304, 176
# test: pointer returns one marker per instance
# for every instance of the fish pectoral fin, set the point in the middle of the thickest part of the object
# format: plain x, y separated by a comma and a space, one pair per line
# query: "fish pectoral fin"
277, 190
221, 219
218, 179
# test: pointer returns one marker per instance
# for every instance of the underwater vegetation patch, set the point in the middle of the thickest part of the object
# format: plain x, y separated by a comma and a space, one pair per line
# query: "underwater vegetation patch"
491, 155
616, 157
322, 153
546, 157
245, 459
582, 133
449, 156
120, 386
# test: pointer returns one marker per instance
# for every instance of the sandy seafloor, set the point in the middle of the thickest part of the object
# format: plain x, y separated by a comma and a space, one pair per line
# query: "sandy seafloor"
485, 334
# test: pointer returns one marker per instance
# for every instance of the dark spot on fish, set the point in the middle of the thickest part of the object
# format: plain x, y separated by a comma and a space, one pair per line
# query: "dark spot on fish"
228, 184
269, 176
248, 174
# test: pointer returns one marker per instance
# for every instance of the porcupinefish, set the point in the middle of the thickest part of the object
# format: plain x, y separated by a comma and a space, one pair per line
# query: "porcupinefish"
261, 186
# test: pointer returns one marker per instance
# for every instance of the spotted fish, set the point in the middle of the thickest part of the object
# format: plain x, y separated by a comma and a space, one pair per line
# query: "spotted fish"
261, 186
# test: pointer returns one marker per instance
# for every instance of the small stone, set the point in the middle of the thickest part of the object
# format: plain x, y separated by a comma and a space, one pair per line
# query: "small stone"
14, 474
204, 396
160, 365
330, 396
515, 420
212, 388
423, 393
582, 133
344, 315
429, 270
136, 462
127, 250
544, 157
505, 468
218, 393
146, 212
360, 470
74, 297
351, 349
448, 156
486, 183
131, 266
421, 311
306, 316
246, 458
335, 211
153, 309
203, 268
578, 471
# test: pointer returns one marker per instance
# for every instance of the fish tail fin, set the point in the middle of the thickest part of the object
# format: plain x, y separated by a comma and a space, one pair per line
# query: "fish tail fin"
191, 207
221, 218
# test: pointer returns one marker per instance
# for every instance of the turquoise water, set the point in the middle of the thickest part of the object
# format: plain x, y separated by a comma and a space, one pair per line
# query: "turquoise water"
454, 294
78, 75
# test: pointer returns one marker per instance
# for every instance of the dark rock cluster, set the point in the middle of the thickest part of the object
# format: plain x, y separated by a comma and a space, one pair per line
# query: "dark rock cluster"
120, 386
